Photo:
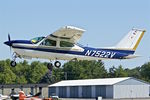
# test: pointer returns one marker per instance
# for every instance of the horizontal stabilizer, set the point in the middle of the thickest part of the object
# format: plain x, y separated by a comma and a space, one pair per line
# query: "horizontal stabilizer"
131, 56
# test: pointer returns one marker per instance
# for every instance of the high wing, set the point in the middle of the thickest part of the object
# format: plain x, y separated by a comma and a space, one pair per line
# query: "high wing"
71, 33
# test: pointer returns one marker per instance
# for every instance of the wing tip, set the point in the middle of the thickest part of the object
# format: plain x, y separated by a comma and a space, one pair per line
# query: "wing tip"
73, 27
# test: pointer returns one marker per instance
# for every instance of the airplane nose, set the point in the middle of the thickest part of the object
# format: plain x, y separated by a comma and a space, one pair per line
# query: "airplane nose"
8, 43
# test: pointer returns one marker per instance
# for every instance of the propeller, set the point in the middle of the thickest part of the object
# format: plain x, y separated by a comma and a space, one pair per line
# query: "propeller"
8, 37
9, 40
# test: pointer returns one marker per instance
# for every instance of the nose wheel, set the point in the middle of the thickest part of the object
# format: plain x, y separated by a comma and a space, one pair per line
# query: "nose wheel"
13, 62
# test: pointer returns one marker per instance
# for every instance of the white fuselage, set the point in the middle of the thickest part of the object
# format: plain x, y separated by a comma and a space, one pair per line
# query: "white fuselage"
24, 52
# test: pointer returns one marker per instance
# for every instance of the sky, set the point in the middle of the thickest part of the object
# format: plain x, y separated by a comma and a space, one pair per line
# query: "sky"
105, 22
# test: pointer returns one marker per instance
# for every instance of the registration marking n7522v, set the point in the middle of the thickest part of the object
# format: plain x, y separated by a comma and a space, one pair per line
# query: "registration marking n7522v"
101, 54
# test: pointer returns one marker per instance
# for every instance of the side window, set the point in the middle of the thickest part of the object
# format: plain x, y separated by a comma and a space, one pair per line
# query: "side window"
66, 44
49, 42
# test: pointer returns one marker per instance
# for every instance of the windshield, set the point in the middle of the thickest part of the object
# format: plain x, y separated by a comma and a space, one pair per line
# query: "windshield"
37, 39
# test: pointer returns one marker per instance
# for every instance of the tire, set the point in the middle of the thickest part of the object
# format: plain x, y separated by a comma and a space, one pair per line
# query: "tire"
57, 64
50, 66
13, 63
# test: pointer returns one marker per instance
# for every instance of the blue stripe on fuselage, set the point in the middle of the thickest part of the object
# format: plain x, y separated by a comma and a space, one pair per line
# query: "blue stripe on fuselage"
113, 50
91, 52
107, 53
21, 41
85, 48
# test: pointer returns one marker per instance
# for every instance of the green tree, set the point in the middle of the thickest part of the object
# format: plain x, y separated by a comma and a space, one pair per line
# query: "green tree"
135, 72
112, 72
120, 72
84, 69
36, 72
117, 72
6, 75
145, 72
56, 75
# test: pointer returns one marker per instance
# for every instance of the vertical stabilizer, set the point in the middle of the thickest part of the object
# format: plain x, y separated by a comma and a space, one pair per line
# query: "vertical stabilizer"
131, 40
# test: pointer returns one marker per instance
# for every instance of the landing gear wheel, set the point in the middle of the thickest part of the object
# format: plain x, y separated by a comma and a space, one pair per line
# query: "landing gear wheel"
13, 63
50, 66
57, 64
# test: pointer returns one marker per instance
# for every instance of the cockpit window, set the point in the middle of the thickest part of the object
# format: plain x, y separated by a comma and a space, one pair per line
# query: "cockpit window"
49, 42
66, 44
37, 39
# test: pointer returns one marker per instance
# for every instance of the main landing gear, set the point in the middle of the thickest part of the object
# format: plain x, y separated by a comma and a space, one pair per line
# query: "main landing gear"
57, 64
50, 66
13, 62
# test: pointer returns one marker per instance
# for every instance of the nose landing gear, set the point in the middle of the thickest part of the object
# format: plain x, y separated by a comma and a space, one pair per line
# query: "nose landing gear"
13, 62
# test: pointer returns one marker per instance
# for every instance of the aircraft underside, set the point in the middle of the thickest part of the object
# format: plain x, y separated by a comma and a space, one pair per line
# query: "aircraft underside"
23, 53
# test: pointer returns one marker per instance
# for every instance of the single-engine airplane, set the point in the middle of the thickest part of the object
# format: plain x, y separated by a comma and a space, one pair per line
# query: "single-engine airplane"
62, 45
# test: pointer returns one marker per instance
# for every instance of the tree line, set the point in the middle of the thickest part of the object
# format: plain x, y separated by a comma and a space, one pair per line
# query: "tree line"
37, 72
